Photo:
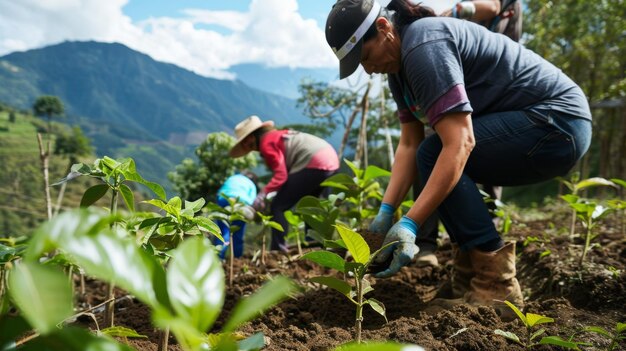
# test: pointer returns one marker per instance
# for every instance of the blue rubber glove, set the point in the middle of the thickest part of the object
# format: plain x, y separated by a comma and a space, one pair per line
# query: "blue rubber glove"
382, 221
404, 232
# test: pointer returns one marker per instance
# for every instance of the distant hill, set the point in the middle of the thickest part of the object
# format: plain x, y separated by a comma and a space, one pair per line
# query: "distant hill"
280, 80
131, 105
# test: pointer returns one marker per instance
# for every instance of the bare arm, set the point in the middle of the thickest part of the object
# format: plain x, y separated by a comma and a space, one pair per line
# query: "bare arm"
404, 168
457, 137
485, 10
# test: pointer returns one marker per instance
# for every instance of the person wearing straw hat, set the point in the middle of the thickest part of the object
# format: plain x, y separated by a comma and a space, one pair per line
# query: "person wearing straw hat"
299, 161
501, 114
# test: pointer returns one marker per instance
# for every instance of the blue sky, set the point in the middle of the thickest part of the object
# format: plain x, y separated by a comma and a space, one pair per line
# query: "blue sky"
204, 36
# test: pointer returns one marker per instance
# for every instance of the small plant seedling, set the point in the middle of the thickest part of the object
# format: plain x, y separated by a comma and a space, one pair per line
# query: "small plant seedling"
266, 225
616, 336
575, 185
360, 252
359, 189
589, 213
230, 214
530, 321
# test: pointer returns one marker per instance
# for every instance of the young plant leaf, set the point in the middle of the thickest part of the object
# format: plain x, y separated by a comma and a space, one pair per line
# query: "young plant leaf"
74, 339
355, 243
254, 342
517, 312
334, 283
124, 332
557, 341
508, 335
378, 346
535, 319
252, 306
93, 194
598, 330
378, 307
42, 293
537, 333
326, 258
372, 172
209, 226
129, 198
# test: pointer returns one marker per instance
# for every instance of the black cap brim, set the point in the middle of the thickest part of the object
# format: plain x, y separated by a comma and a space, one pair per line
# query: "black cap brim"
351, 61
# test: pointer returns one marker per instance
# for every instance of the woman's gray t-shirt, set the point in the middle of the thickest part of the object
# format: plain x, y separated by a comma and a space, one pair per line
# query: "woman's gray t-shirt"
451, 65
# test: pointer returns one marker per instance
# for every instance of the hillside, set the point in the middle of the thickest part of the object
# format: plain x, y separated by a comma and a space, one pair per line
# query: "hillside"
133, 106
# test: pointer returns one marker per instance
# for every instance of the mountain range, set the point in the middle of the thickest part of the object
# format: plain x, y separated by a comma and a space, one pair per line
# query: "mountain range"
133, 106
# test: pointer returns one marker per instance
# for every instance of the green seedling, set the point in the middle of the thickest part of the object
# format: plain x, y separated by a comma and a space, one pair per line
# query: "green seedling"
296, 229
615, 336
114, 176
362, 187
187, 298
166, 232
235, 211
320, 214
589, 213
531, 321
266, 229
619, 205
11, 250
575, 185
357, 268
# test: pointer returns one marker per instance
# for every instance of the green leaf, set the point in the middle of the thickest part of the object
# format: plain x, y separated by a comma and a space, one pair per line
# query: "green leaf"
508, 335
535, 319
254, 342
252, 306
378, 346
93, 194
42, 293
196, 283
128, 196
620, 327
74, 339
372, 172
378, 307
595, 181
325, 258
334, 283
276, 226
517, 312
620, 182
109, 255
355, 243
209, 226
557, 341
12, 328
195, 206
537, 333
598, 330
357, 172
122, 332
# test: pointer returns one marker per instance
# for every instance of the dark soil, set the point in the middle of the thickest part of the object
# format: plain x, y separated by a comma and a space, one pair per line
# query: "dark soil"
554, 285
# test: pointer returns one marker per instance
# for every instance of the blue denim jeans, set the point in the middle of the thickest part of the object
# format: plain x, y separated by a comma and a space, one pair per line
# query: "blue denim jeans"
512, 148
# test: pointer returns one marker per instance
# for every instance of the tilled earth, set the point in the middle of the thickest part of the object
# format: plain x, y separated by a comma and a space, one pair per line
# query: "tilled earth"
554, 285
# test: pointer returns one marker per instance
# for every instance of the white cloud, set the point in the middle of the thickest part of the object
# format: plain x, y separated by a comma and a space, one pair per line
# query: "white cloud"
271, 32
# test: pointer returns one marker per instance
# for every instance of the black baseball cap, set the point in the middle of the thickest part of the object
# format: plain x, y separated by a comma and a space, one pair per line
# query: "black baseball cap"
346, 24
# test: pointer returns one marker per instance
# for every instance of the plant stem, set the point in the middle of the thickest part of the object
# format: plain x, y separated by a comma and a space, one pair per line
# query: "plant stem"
110, 307
587, 241
263, 246
359, 308
232, 258
164, 336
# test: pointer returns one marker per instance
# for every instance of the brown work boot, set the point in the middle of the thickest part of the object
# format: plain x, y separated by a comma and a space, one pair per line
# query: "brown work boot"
493, 282
460, 276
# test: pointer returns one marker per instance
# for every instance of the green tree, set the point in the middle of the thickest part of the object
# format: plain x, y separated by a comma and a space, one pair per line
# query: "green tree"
202, 179
12, 117
48, 106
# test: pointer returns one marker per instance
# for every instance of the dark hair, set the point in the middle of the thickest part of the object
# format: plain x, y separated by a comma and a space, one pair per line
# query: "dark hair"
259, 132
401, 13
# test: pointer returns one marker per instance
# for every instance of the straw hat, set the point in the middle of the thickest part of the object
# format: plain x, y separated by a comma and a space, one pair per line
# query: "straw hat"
245, 128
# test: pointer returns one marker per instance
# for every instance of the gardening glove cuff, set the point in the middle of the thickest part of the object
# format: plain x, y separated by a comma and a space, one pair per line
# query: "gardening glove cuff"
382, 221
404, 233
259, 201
